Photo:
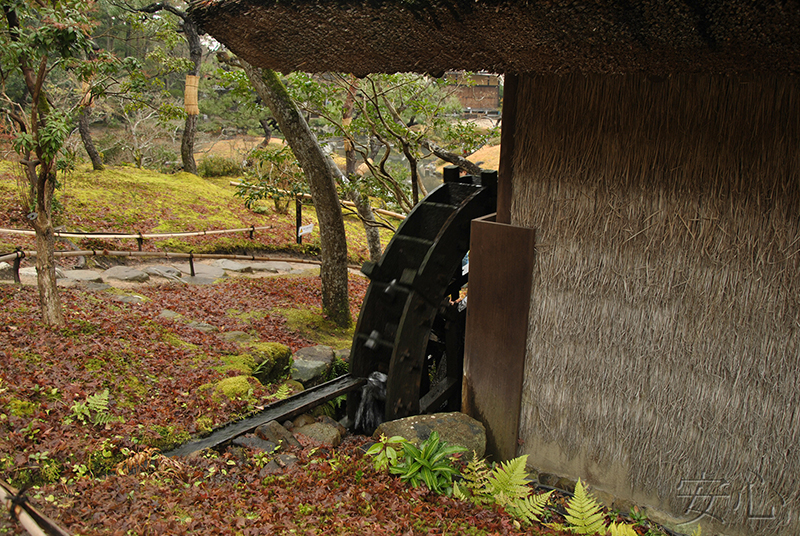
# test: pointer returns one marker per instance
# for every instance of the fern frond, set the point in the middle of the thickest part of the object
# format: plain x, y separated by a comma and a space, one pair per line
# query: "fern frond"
530, 508
584, 514
509, 479
283, 392
697, 531
621, 530
98, 402
475, 486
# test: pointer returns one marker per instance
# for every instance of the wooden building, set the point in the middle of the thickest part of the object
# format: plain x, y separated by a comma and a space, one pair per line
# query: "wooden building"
478, 93
651, 153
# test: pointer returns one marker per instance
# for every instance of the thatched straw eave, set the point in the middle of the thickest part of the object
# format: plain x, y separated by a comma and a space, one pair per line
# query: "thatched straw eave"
505, 36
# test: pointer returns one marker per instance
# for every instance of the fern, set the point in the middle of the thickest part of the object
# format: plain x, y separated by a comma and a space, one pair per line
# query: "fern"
584, 514
283, 392
621, 529
530, 508
94, 410
475, 486
505, 486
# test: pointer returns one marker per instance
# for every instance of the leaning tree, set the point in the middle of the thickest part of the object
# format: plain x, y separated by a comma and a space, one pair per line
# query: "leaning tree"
38, 39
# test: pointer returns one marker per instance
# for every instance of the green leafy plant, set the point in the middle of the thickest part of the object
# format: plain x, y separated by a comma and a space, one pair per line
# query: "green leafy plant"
430, 464
506, 485
385, 451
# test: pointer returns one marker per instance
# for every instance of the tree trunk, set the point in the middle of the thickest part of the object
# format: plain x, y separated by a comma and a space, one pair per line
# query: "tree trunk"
370, 224
190, 128
187, 145
320, 171
362, 204
86, 136
49, 300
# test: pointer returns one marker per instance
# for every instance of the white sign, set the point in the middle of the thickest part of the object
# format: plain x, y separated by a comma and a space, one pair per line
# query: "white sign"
305, 229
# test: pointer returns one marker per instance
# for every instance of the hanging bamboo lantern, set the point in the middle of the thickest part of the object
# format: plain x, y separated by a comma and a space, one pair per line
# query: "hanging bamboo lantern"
190, 95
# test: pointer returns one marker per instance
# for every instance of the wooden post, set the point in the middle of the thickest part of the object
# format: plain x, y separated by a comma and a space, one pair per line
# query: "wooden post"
20, 256
507, 143
298, 212
140, 241
191, 263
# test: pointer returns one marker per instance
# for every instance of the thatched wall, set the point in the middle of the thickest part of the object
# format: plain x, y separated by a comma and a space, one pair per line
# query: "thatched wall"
665, 316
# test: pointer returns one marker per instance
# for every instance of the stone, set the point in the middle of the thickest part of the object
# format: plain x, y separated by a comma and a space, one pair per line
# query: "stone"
323, 434
167, 272
131, 299
270, 266
279, 464
453, 428
89, 276
201, 271
275, 433
311, 364
239, 337
30, 271
271, 359
202, 326
343, 354
189, 280
169, 314
303, 420
330, 421
252, 442
125, 273
6, 271
233, 266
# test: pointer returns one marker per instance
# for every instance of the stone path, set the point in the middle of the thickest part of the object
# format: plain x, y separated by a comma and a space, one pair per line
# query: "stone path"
125, 276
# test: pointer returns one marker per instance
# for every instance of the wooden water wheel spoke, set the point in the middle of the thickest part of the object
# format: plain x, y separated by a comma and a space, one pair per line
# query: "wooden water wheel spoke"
409, 293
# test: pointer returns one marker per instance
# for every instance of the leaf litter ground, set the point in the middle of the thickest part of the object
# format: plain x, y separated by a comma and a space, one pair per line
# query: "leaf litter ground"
157, 371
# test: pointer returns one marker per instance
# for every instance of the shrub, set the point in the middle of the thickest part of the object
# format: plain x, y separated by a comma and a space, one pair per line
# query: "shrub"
219, 166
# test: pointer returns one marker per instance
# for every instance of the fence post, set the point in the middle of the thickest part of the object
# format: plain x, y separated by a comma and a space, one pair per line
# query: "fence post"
191, 263
140, 241
17, 260
252, 230
298, 211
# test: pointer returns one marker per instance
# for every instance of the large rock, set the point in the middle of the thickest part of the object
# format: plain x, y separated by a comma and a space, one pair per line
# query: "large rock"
320, 433
270, 266
201, 271
125, 273
275, 433
167, 272
232, 266
6, 271
311, 364
271, 359
453, 428
84, 275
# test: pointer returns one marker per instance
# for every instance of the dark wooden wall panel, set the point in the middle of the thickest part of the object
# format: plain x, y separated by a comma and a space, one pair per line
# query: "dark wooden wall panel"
501, 261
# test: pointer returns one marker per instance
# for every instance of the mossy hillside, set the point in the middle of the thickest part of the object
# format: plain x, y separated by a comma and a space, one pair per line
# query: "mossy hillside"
171, 203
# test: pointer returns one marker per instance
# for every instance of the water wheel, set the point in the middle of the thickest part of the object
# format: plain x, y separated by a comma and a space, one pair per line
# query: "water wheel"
411, 322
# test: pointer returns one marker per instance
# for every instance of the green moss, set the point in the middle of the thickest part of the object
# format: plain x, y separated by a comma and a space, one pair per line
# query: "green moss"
242, 363
204, 424
133, 392
172, 340
93, 364
22, 408
234, 387
311, 324
272, 360
246, 316
165, 438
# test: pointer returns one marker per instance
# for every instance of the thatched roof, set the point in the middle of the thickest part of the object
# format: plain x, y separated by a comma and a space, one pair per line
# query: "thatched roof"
506, 36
